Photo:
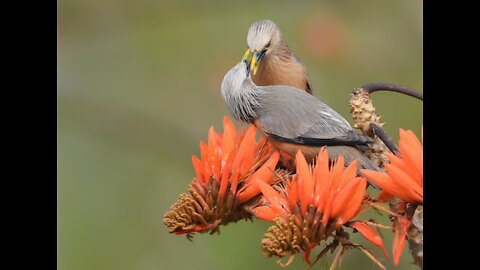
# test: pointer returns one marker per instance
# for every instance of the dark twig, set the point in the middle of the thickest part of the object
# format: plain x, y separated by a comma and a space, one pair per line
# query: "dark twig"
385, 139
332, 246
374, 87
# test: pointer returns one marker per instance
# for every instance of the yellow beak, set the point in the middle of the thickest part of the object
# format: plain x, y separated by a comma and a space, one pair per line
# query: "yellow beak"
254, 65
251, 60
248, 56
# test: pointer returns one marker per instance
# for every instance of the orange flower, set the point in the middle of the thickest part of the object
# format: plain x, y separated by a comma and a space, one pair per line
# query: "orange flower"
229, 165
230, 158
404, 174
336, 193
403, 179
314, 206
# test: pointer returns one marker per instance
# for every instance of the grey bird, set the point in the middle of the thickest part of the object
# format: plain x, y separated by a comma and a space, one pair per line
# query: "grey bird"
270, 60
293, 119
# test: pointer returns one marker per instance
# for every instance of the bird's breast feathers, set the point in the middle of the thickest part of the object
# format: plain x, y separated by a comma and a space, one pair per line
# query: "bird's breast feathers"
275, 70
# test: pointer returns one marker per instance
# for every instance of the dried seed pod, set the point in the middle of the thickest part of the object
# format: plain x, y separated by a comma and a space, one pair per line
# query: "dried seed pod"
364, 114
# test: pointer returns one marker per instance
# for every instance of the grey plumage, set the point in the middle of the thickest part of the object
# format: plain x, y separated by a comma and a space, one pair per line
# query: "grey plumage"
241, 104
290, 113
292, 116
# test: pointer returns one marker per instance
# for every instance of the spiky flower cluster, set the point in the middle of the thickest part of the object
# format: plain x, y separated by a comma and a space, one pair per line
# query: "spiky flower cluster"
311, 205
224, 185
313, 208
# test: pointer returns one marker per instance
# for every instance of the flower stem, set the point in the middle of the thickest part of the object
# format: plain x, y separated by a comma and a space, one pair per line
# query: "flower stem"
385, 139
374, 87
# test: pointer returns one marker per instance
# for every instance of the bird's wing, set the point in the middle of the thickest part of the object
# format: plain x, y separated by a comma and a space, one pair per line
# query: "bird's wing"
296, 116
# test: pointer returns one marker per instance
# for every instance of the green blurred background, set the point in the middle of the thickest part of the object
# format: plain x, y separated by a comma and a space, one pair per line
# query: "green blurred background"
139, 86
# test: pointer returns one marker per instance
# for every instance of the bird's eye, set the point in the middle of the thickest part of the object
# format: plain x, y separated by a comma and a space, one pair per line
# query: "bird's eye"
268, 44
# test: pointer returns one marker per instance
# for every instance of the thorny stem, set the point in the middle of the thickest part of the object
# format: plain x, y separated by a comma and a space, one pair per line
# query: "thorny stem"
371, 223
336, 259
385, 139
381, 208
374, 87
371, 256
330, 246
378, 225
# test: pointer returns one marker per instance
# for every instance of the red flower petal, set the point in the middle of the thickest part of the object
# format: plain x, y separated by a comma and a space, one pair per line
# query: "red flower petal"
336, 175
249, 142
371, 235
353, 205
384, 196
229, 138
276, 200
340, 201
244, 157
213, 158
386, 183
348, 174
225, 174
293, 192
305, 181
265, 213
405, 182
400, 163
322, 177
265, 173
400, 227
411, 150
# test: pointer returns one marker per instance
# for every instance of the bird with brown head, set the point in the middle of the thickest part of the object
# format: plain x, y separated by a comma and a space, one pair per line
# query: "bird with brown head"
270, 60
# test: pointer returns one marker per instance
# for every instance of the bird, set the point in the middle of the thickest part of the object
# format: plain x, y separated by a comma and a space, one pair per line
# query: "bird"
293, 120
270, 59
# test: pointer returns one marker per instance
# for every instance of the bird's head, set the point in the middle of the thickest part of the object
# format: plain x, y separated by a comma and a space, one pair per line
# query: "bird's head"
235, 77
263, 37
238, 92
